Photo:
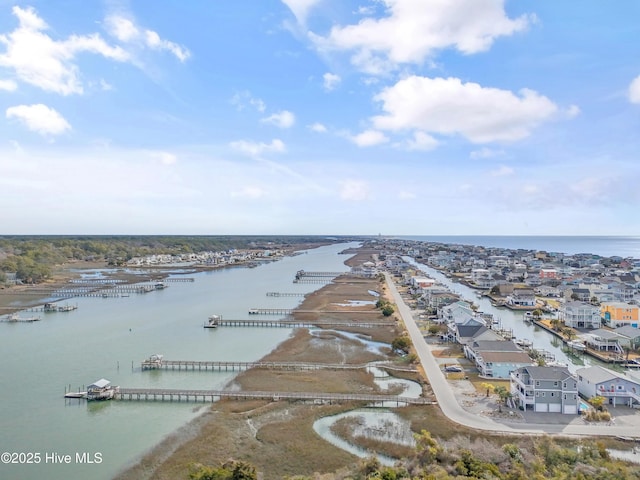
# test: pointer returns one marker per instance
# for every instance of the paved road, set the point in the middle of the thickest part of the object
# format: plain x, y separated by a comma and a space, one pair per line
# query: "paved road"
454, 411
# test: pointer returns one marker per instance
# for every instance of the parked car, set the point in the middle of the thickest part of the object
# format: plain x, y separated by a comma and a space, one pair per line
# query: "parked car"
452, 368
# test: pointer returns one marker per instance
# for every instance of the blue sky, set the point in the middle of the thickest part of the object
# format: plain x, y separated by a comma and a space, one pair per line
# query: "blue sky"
405, 117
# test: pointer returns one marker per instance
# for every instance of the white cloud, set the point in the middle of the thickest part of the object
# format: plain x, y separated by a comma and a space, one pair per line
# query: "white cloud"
421, 141
447, 106
355, 190
503, 171
634, 90
241, 99
404, 195
300, 8
39, 118
369, 138
255, 149
249, 192
414, 30
125, 30
485, 152
8, 85
283, 119
331, 81
318, 127
166, 158
39, 60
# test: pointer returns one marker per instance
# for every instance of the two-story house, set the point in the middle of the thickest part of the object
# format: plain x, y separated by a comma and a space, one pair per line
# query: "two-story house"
616, 388
545, 389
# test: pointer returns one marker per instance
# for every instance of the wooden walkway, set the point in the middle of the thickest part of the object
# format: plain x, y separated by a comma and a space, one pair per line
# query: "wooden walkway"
290, 323
161, 394
280, 294
193, 365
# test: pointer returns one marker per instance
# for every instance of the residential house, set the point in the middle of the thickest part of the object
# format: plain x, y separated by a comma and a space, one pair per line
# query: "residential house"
580, 294
465, 334
618, 314
580, 315
628, 336
496, 358
605, 341
522, 297
457, 310
548, 274
545, 389
616, 388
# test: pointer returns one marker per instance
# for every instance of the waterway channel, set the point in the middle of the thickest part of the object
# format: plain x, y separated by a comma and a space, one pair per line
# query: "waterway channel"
108, 338
510, 320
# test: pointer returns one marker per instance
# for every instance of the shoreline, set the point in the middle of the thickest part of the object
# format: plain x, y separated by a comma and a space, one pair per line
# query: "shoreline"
262, 432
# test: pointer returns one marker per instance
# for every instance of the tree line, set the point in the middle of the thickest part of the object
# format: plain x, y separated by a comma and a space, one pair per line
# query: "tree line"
33, 257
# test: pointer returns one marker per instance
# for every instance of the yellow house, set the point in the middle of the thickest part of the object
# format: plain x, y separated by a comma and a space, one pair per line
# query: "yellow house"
618, 314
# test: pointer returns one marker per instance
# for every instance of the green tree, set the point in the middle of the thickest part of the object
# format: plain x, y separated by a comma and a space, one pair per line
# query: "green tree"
401, 344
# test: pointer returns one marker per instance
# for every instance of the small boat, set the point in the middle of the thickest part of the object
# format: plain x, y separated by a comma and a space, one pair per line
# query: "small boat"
523, 342
575, 345
14, 317
213, 321
160, 286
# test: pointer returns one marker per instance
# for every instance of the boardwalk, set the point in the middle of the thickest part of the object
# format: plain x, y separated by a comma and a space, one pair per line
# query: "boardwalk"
192, 365
290, 323
160, 394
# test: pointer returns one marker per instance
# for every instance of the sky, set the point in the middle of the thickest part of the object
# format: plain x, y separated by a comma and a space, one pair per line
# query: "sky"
323, 117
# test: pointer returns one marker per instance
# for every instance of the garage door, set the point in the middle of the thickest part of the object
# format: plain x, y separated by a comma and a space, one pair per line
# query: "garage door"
555, 407
541, 407
571, 409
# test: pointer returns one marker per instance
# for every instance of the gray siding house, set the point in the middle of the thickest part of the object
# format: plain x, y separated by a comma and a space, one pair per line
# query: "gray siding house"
545, 389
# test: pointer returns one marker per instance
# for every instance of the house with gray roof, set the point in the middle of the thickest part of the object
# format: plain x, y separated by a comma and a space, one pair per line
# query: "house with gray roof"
465, 334
545, 389
496, 358
616, 388
628, 336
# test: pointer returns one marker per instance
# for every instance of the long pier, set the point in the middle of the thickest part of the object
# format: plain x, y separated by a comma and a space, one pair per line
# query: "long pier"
193, 365
300, 323
281, 294
160, 394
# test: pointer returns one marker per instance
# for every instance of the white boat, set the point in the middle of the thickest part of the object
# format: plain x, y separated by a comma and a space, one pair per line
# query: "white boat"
213, 321
575, 345
523, 342
14, 317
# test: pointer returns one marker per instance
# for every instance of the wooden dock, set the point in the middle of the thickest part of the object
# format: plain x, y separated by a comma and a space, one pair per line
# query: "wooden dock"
160, 394
280, 294
290, 323
195, 365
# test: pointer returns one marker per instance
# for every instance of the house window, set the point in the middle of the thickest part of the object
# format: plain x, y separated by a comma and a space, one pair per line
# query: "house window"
542, 394
553, 394
555, 384
565, 396
564, 385
537, 383
574, 396
537, 394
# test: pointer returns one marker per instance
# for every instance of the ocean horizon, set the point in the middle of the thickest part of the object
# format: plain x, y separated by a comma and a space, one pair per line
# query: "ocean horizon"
602, 245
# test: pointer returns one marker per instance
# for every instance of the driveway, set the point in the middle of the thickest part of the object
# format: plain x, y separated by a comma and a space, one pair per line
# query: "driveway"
526, 422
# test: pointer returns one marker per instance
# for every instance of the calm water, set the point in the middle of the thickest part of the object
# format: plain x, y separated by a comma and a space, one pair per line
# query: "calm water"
106, 336
512, 320
606, 246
